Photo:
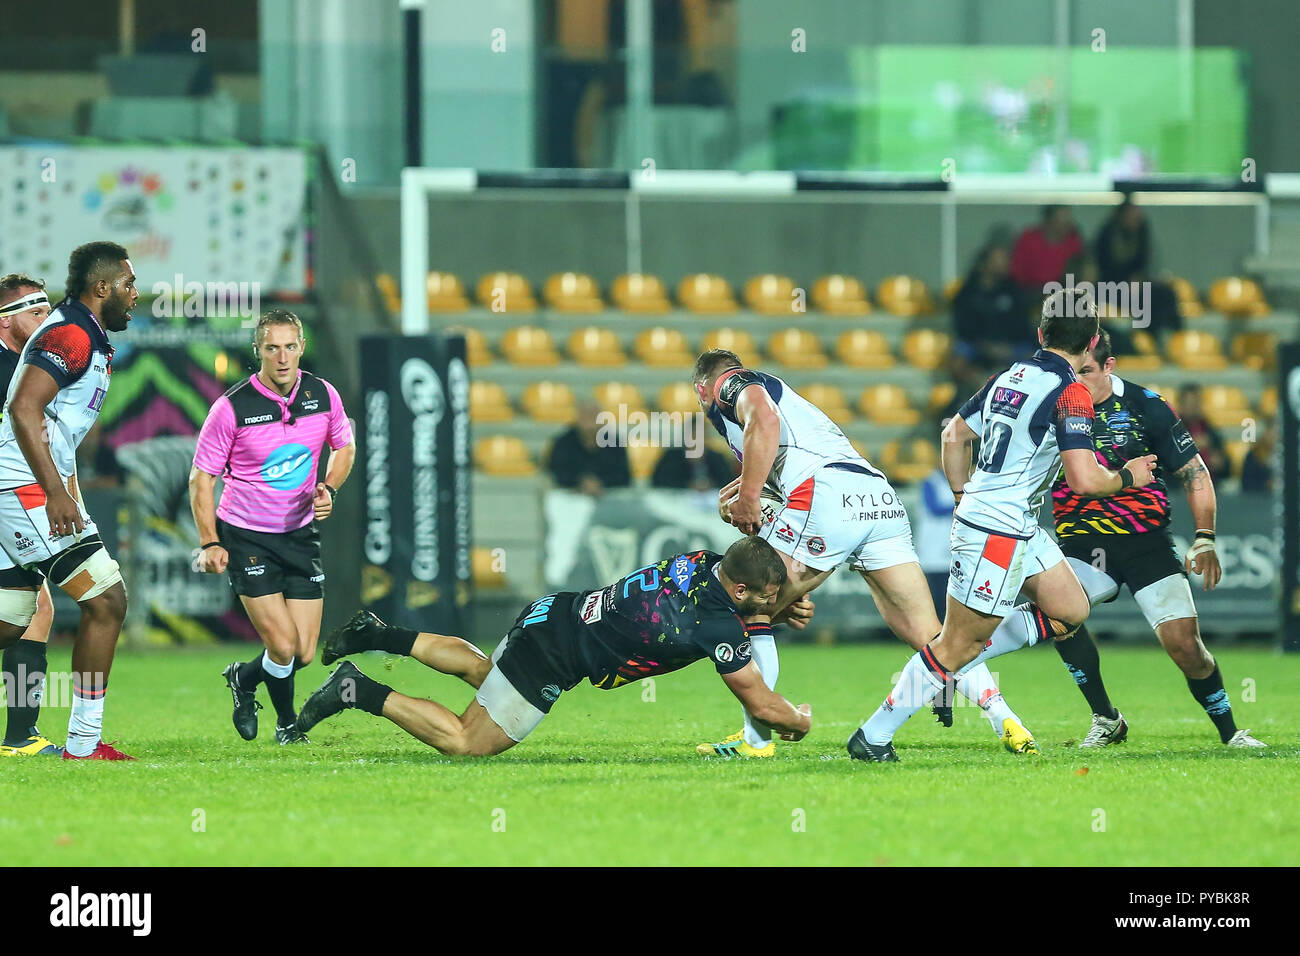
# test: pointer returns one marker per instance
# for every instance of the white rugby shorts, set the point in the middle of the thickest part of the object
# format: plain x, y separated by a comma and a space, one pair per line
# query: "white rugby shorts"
25, 529
987, 569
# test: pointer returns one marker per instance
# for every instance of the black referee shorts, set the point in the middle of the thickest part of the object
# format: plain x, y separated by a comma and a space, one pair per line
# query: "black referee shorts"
264, 562
1133, 559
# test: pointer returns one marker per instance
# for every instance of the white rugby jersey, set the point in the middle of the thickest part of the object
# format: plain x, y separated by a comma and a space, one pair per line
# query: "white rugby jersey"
809, 440
1025, 417
73, 348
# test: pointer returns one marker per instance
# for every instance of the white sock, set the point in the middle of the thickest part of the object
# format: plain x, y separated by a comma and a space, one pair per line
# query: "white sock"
769, 665
86, 723
916, 688
1017, 630
977, 686
274, 669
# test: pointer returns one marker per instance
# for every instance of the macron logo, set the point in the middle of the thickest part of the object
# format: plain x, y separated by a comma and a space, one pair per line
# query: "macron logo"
77, 909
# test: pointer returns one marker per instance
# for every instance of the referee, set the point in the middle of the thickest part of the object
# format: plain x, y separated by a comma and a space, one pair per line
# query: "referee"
263, 438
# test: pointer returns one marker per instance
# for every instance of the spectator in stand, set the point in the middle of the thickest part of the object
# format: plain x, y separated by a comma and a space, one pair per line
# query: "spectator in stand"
1123, 250
1213, 452
588, 457
1042, 251
710, 471
990, 315
1257, 466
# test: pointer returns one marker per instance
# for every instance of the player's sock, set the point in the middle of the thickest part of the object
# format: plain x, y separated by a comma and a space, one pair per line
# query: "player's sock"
1018, 629
763, 644
977, 685
1084, 664
1209, 693
923, 677
250, 673
299, 664
395, 640
86, 724
279, 685
24, 680
370, 695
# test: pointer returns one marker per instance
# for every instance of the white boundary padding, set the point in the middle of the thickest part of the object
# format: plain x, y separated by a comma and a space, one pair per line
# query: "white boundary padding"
1282, 185
720, 182
417, 183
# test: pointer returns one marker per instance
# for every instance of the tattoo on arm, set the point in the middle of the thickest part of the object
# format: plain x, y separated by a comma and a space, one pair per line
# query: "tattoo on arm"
1193, 475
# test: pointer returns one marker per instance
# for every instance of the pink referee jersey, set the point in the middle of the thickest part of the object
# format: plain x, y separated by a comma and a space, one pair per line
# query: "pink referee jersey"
266, 448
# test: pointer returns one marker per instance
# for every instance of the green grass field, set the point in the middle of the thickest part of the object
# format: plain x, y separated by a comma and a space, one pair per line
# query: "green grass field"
612, 778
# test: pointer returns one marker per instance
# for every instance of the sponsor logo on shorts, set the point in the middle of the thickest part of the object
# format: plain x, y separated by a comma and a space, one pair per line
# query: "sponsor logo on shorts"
288, 467
744, 651
551, 692
724, 653
317, 578
769, 515
254, 569
816, 546
957, 573
591, 609
785, 533
22, 542
984, 592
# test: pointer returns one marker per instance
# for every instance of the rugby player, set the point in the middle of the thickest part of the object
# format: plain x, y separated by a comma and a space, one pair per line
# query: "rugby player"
658, 619
54, 400
1030, 419
805, 490
263, 438
23, 306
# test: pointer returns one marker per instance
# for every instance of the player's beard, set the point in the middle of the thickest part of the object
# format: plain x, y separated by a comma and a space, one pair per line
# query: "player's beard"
116, 312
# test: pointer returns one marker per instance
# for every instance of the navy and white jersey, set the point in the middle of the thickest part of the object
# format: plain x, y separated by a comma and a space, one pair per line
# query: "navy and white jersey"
809, 440
73, 348
1025, 417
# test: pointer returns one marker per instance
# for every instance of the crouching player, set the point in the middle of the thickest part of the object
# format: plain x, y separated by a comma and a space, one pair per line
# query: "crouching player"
657, 619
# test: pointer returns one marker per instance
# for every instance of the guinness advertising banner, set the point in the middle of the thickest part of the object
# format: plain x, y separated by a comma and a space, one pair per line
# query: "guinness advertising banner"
415, 465
1288, 528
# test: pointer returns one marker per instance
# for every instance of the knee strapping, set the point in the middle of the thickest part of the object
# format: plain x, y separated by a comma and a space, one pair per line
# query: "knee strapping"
1049, 628
92, 577
17, 606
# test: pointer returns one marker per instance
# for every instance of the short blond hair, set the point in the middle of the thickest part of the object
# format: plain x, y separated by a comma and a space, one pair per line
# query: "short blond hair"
276, 317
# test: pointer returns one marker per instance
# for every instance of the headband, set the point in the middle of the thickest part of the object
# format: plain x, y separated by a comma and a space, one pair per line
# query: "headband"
29, 301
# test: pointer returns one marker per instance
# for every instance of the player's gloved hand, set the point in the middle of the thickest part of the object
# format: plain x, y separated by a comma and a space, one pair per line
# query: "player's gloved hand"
212, 560
747, 513
1142, 469
322, 502
799, 613
806, 710
64, 515
1202, 559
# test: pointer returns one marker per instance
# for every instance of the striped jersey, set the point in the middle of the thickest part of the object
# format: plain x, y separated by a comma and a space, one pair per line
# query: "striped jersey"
809, 440
266, 448
72, 347
1025, 417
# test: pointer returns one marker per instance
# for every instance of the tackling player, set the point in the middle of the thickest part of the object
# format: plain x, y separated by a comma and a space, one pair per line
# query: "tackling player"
23, 306
805, 490
54, 400
657, 619
1030, 419
263, 438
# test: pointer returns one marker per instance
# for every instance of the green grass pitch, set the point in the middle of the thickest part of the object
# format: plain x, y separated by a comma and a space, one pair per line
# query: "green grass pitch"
612, 777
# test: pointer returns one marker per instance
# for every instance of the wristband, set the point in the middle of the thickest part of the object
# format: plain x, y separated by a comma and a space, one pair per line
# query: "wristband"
210, 544
1205, 533
333, 492
1125, 478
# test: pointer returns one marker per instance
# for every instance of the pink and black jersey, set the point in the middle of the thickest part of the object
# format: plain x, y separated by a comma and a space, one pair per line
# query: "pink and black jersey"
266, 448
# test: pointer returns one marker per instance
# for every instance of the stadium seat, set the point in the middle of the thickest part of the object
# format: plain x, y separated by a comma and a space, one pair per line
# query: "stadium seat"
860, 448
1268, 402
1189, 302
596, 347
926, 349
840, 295
1238, 297
488, 403
642, 458
830, 399
796, 348
904, 296
1147, 358
771, 294
484, 569
908, 462
388, 290
477, 352
503, 455
862, 348
529, 345
572, 292
942, 395
707, 294
1196, 350
733, 340
506, 292
610, 395
887, 404
1257, 350
1224, 405
678, 397
445, 293
1237, 452
951, 288
550, 402
640, 293
663, 348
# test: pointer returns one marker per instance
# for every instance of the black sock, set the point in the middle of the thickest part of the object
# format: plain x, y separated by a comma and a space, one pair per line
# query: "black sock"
395, 640
370, 695
1209, 693
280, 690
24, 678
250, 674
1084, 664
299, 664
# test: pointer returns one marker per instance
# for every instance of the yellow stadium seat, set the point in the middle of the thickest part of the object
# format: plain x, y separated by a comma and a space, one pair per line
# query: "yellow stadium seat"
1257, 350
445, 292
388, 290
733, 340
550, 402
506, 292
840, 295
1196, 350
1268, 402
610, 395
642, 458
862, 348
904, 296
572, 292
860, 448
887, 404
951, 288
596, 347
771, 294
926, 349
1224, 405
830, 399
678, 397
796, 348
1189, 302
663, 348
705, 293
529, 345
488, 569
941, 397
488, 403
1238, 297
1147, 358
503, 455
640, 293
477, 352
1237, 452
910, 461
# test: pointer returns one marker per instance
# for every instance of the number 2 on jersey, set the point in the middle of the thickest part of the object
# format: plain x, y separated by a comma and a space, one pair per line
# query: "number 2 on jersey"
993, 446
